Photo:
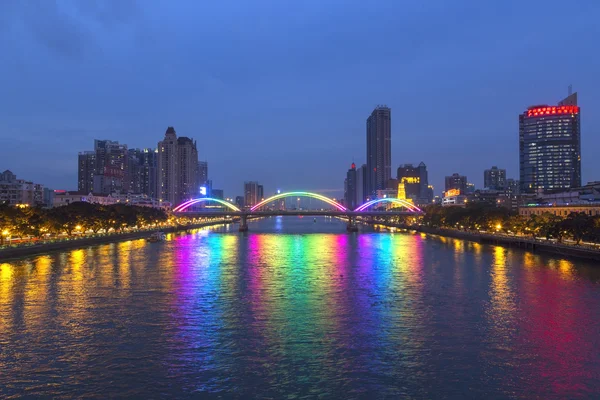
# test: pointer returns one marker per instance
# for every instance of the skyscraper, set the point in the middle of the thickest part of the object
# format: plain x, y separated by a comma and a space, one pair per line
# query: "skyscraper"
251, 193
550, 147
350, 188
202, 173
178, 168
379, 153
111, 167
86, 171
494, 178
361, 185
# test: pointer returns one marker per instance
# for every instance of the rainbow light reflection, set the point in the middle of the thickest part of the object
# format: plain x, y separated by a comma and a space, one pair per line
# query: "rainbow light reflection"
301, 194
403, 203
184, 206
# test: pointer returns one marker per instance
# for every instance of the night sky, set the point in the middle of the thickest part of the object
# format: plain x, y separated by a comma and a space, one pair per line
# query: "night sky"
279, 91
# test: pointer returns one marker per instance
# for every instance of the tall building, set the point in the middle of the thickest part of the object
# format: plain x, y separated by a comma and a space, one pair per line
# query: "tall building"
361, 185
550, 147
260, 194
251, 193
350, 198
494, 178
187, 154
379, 145
416, 182
111, 167
178, 168
86, 171
148, 170
456, 181
133, 172
202, 173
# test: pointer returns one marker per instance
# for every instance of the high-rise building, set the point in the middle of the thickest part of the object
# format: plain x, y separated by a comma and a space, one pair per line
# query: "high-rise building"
251, 193
416, 182
550, 147
202, 173
85, 171
379, 145
187, 154
494, 178
456, 181
111, 167
260, 194
178, 168
351, 188
148, 179
133, 172
361, 185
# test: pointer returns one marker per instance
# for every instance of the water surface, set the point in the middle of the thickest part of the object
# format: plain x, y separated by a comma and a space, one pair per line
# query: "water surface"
296, 309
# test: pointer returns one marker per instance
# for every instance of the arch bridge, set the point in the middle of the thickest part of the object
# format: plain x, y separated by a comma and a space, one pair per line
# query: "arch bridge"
338, 209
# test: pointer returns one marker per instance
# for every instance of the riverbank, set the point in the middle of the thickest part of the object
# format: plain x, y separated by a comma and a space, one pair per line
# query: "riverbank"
43, 248
524, 243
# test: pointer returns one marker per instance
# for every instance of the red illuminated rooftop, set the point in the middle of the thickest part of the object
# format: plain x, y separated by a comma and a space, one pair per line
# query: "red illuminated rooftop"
539, 111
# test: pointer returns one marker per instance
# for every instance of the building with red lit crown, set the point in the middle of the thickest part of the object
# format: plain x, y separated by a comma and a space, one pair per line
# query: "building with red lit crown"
550, 147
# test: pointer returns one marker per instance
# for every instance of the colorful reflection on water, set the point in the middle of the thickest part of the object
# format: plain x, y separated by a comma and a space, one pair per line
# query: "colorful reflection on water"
328, 314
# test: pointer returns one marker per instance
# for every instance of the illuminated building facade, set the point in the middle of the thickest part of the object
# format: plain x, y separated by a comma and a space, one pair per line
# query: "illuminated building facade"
379, 149
416, 183
550, 147
456, 181
177, 168
361, 185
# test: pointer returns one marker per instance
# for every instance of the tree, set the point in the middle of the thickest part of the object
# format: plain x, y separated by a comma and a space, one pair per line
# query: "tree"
578, 226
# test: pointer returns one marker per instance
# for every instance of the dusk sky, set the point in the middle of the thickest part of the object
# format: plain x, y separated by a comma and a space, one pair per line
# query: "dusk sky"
279, 91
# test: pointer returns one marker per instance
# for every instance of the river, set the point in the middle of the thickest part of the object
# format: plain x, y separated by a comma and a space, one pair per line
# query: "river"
299, 309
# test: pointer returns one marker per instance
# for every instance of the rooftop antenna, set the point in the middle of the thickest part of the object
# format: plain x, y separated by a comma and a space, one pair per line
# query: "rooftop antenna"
570, 90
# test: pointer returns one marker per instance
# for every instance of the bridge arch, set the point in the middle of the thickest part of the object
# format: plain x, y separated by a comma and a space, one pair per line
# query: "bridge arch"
299, 194
187, 204
402, 202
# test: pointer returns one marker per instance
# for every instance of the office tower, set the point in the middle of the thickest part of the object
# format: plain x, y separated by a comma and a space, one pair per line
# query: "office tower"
416, 182
85, 171
148, 179
133, 172
251, 193
550, 147
494, 178
379, 154
361, 185
350, 188
178, 168
260, 194
110, 169
202, 173
187, 169
456, 181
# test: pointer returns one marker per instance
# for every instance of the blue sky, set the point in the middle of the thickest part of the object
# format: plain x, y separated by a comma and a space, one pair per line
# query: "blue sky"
279, 91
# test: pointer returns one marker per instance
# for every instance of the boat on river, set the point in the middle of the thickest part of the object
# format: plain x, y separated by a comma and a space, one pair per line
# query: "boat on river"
157, 237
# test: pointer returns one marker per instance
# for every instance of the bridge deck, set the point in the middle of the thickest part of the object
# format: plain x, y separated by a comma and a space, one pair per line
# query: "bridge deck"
311, 213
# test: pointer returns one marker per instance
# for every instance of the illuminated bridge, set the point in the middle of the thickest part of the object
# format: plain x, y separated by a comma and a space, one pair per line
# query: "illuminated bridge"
337, 211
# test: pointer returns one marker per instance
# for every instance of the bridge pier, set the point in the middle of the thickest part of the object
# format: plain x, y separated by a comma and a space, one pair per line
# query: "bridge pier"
352, 227
244, 223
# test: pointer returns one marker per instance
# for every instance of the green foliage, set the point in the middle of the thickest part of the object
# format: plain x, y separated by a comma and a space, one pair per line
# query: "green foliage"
37, 221
576, 226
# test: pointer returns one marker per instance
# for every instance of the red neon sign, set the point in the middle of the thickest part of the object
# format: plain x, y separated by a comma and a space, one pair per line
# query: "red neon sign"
552, 110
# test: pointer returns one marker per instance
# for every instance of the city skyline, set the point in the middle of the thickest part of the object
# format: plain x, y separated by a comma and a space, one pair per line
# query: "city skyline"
90, 88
